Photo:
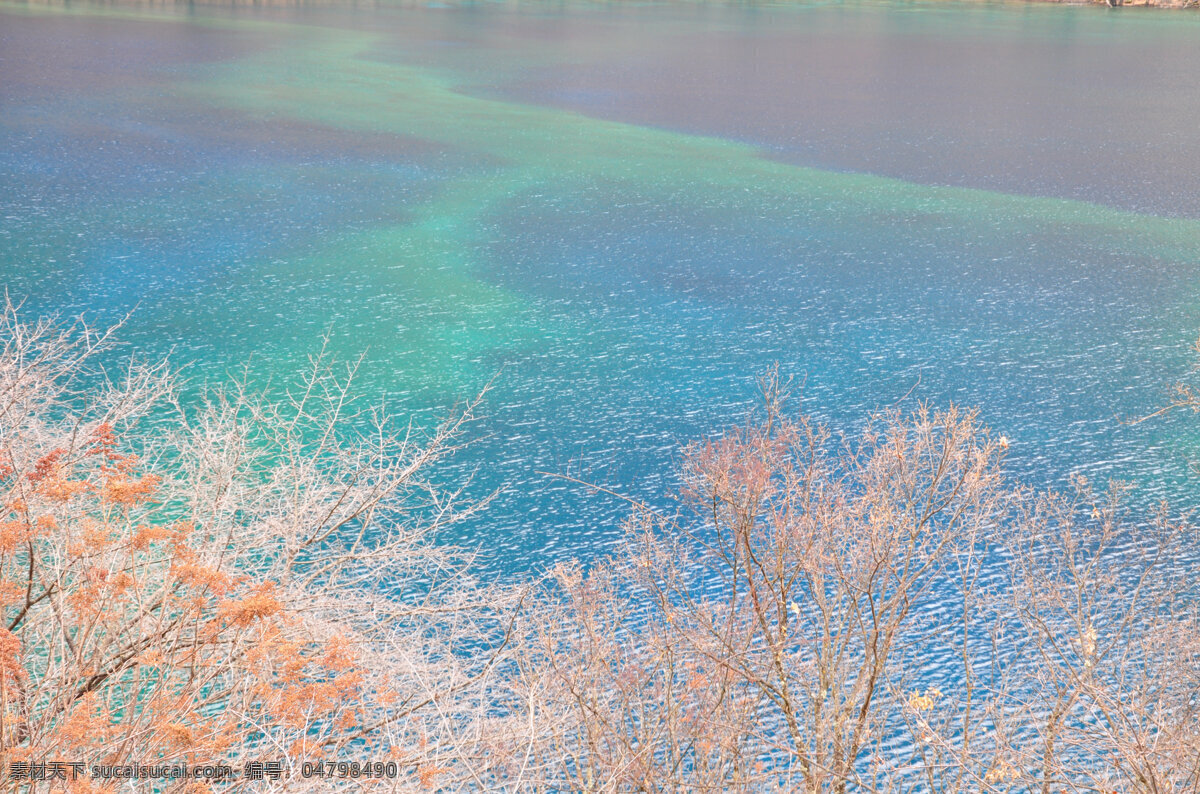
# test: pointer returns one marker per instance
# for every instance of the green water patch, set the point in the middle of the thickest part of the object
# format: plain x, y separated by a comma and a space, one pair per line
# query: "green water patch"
337, 84
328, 76
400, 294
431, 274
470, 318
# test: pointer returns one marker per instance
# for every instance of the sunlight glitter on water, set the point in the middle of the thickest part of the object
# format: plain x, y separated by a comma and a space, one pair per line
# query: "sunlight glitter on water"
624, 215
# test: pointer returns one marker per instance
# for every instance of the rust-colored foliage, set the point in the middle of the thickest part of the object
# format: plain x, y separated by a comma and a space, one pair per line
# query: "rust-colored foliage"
156, 627
229, 604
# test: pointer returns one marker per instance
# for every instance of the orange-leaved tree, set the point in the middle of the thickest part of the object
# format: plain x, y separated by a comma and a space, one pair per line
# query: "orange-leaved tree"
245, 580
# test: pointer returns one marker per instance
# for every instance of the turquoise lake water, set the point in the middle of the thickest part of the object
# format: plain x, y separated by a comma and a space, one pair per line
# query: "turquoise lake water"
623, 213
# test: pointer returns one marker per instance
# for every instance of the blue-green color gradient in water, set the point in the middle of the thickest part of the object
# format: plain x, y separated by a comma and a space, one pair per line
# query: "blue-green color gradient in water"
624, 213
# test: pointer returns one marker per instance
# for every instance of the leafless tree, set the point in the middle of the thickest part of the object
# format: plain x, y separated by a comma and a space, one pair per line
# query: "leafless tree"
249, 579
